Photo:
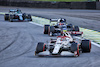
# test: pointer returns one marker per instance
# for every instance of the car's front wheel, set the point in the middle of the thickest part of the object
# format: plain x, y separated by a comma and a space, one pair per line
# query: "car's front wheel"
75, 49
40, 47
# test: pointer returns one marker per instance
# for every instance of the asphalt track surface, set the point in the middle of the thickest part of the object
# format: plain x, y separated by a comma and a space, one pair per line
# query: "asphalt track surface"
89, 19
18, 41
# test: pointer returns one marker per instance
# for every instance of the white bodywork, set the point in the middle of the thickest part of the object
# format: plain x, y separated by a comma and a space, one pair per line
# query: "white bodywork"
20, 16
63, 41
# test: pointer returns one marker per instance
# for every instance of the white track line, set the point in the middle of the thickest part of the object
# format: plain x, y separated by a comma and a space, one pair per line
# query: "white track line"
43, 25
95, 44
36, 24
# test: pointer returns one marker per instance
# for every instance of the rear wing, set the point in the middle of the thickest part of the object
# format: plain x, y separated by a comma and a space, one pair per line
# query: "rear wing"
57, 20
75, 33
12, 10
53, 20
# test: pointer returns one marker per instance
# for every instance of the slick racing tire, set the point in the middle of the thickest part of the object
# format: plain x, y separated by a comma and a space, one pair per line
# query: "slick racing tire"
86, 45
70, 27
29, 17
51, 30
11, 18
40, 47
75, 49
6, 16
24, 16
76, 28
46, 29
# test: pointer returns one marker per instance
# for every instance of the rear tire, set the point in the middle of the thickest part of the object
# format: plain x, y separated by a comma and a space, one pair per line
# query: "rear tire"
40, 47
51, 30
70, 27
6, 17
46, 29
29, 17
11, 18
86, 45
76, 28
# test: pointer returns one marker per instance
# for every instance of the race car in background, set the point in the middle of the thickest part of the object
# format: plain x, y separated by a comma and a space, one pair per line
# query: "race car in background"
63, 44
17, 15
61, 27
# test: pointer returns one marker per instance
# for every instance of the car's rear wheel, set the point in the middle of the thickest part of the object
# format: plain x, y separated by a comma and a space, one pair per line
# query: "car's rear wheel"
46, 29
6, 16
86, 45
29, 17
40, 47
11, 18
76, 28
51, 30
70, 27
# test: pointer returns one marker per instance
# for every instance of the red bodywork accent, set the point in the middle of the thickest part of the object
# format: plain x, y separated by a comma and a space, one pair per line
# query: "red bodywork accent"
44, 47
78, 50
90, 45
63, 36
16, 16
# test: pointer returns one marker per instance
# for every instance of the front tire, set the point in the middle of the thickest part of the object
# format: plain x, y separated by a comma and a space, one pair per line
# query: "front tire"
86, 45
40, 47
75, 49
11, 18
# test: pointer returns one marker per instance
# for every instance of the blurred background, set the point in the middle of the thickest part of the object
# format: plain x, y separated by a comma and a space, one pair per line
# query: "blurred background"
58, 0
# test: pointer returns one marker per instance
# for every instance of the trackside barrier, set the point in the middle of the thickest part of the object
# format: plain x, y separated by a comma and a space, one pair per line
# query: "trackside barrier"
45, 4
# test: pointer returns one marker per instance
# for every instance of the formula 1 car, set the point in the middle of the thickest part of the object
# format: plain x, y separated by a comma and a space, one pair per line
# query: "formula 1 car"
65, 43
17, 15
60, 28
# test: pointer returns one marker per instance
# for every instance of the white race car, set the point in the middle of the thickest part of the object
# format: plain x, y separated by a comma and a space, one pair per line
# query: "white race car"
63, 44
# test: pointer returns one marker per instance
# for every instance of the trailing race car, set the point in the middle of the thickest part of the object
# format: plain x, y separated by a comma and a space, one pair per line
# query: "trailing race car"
63, 44
60, 28
17, 15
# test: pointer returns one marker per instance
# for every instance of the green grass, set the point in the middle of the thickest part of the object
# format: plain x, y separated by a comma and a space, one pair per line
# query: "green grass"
65, 0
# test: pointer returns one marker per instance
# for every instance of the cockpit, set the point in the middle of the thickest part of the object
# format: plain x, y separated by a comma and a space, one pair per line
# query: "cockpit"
15, 11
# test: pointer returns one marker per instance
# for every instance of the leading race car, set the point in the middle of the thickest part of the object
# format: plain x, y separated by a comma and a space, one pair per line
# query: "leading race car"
63, 44
60, 27
17, 15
